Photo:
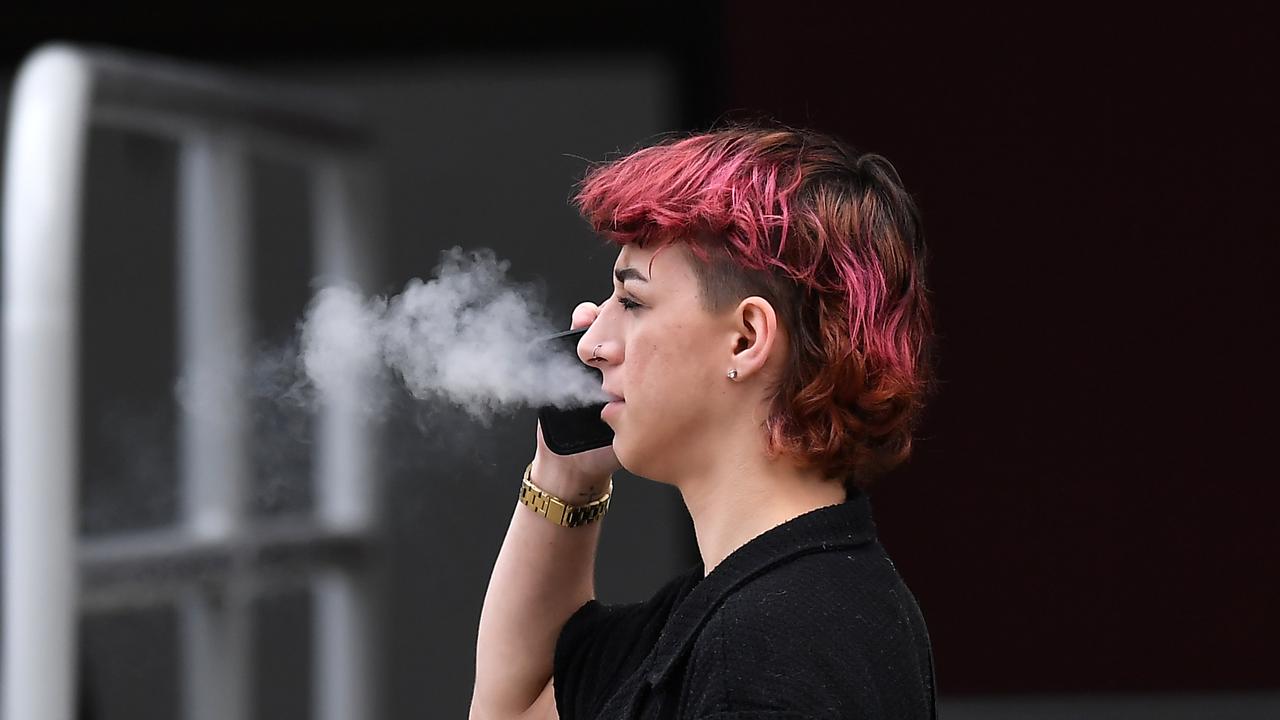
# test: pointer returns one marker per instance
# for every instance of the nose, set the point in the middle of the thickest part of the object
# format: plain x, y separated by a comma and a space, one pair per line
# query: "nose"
595, 348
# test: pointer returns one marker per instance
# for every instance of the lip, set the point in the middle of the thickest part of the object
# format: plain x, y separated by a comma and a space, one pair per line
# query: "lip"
612, 396
611, 408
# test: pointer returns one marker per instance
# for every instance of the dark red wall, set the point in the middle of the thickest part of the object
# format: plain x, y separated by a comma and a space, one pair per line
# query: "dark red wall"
1094, 502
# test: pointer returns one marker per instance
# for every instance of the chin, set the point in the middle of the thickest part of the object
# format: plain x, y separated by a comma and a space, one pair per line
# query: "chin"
631, 458
621, 450
647, 454
635, 460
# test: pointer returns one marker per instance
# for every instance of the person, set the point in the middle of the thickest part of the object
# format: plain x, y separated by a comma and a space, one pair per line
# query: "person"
769, 341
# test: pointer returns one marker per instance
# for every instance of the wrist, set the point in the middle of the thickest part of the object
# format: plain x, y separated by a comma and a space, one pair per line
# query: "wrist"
572, 487
556, 509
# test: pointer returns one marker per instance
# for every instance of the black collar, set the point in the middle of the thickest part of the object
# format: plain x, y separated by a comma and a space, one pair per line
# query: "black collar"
832, 527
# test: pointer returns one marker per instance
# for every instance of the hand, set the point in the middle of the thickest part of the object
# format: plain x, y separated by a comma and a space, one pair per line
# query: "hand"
583, 476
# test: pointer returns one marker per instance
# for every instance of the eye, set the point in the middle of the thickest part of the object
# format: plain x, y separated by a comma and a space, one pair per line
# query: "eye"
628, 303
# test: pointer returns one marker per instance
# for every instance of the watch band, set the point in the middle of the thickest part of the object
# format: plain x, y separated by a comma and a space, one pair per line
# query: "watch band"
558, 511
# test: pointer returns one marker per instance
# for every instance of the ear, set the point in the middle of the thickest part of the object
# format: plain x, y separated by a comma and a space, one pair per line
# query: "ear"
756, 332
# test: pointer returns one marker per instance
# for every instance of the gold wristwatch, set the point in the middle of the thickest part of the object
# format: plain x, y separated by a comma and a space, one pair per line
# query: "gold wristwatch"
557, 510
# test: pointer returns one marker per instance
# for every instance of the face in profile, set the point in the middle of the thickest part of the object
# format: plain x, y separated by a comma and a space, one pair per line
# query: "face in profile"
665, 356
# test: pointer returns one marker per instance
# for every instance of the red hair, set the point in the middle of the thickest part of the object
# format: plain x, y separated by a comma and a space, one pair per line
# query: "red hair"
832, 240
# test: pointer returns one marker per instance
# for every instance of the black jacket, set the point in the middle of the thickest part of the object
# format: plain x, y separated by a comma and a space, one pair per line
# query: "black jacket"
808, 620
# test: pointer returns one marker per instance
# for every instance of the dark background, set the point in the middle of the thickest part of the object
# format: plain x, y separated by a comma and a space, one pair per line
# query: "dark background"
1091, 505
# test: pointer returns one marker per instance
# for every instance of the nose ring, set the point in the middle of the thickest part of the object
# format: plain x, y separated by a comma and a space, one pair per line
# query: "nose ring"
594, 356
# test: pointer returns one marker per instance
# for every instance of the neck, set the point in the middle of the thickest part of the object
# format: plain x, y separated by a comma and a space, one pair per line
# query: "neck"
734, 503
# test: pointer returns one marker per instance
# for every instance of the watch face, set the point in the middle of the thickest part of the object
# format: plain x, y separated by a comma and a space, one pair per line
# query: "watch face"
575, 430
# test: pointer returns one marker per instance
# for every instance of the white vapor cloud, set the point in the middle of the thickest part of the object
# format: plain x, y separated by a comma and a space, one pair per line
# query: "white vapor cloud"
468, 336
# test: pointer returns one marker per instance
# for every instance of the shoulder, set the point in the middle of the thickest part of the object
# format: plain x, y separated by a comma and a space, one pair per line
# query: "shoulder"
826, 598
601, 645
827, 633
600, 621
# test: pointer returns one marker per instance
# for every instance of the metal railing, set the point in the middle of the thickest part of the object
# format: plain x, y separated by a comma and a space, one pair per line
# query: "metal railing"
213, 562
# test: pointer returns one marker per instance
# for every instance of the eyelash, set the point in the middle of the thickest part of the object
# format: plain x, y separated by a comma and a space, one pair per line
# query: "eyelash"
628, 303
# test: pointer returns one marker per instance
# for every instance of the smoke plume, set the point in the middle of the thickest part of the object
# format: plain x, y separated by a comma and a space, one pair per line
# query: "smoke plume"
468, 336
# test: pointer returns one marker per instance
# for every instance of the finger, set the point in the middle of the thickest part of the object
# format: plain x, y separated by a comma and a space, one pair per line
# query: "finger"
584, 315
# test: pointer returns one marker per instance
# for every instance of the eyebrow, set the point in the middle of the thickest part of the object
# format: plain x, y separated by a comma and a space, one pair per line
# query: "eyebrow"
628, 273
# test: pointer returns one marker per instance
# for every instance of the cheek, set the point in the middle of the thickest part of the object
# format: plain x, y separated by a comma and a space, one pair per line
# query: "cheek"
653, 371
665, 369
667, 403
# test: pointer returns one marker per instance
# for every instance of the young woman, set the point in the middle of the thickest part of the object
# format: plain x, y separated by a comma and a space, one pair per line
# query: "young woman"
768, 342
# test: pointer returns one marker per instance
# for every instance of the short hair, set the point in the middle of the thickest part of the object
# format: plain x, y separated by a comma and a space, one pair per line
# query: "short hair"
832, 240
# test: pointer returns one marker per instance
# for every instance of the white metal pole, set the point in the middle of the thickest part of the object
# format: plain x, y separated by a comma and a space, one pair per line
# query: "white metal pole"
346, 490
43, 181
214, 332
348, 651
213, 277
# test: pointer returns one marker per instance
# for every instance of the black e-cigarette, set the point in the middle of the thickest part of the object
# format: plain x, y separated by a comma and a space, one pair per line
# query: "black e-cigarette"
576, 430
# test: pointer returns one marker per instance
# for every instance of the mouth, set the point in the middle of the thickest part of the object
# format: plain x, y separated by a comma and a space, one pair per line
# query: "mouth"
612, 397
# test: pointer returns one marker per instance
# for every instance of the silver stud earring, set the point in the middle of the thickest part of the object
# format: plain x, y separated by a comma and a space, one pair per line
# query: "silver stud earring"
733, 374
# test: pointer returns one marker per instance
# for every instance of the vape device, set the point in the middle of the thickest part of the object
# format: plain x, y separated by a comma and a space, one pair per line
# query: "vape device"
568, 432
